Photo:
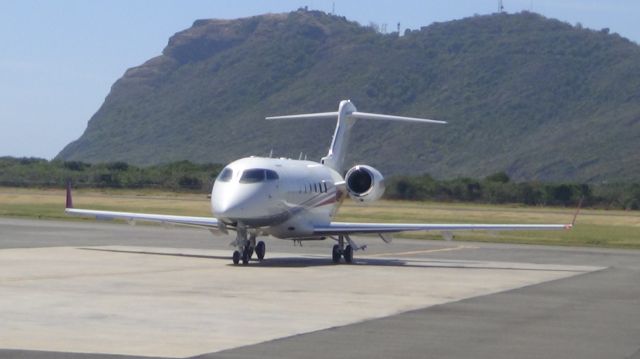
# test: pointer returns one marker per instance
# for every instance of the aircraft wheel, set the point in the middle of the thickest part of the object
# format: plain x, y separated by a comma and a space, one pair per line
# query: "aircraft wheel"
261, 249
236, 257
348, 254
250, 252
336, 254
246, 255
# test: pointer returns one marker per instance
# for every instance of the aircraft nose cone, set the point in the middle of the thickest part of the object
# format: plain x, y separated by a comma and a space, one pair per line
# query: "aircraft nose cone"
237, 202
235, 206
227, 209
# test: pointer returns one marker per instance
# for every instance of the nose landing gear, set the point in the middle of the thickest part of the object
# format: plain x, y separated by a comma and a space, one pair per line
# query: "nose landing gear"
261, 249
247, 246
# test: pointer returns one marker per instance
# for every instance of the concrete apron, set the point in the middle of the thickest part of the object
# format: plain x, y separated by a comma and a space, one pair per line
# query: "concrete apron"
184, 302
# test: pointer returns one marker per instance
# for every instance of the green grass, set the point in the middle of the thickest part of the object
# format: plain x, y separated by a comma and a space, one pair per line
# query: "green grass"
49, 203
595, 228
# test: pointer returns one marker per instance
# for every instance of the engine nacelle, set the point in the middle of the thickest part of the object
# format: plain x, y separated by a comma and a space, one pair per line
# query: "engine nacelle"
364, 183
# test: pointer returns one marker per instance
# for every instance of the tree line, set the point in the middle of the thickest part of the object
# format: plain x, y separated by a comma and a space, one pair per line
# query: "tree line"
497, 188
175, 176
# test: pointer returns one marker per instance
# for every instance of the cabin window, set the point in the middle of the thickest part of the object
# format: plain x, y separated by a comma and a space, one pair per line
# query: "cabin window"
252, 176
225, 175
315, 188
325, 186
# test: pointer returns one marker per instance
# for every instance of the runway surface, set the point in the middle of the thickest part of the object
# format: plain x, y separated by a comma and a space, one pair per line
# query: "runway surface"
101, 290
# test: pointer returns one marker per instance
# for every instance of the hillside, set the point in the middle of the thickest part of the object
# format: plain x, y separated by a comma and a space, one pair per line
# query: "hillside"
535, 97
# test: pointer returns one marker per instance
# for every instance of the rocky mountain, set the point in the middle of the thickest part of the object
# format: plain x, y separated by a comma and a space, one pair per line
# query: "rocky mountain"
532, 96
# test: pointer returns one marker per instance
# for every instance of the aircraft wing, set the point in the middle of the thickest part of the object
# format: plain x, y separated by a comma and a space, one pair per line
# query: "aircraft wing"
355, 228
208, 222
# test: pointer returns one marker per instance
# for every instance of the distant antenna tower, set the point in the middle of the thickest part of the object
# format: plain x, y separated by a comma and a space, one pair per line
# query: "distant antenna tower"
398, 28
500, 6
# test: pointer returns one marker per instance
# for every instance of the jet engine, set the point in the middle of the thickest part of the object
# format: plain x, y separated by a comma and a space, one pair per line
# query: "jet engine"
364, 183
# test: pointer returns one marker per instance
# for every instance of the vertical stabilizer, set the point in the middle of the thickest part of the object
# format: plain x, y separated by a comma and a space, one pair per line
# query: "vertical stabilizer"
338, 148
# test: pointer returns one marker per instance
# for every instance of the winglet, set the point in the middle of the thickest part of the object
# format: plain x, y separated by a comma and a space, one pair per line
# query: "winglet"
69, 203
575, 215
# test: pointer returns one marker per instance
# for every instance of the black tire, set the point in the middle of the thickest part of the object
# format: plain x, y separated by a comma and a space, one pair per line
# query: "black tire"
335, 254
246, 254
348, 254
250, 252
261, 249
236, 257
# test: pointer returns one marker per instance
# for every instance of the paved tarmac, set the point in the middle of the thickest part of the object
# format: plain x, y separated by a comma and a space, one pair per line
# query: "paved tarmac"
410, 299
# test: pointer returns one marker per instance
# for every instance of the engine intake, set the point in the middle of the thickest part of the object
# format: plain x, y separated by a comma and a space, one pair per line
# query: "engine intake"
364, 183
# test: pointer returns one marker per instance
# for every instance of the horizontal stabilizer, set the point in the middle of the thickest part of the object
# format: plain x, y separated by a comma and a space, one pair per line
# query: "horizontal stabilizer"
319, 115
376, 116
354, 115
346, 116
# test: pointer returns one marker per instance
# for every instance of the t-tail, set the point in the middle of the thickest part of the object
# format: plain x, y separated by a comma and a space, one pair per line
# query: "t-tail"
347, 115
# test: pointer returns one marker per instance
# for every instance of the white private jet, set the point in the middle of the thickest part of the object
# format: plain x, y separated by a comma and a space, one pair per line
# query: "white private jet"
298, 199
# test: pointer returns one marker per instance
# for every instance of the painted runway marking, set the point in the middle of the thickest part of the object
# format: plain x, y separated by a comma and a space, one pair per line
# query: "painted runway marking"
460, 247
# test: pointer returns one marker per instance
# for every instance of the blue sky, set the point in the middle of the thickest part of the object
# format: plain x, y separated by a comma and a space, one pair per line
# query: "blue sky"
60, 58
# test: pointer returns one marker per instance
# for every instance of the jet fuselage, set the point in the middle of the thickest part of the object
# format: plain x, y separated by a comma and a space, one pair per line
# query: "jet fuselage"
282, 197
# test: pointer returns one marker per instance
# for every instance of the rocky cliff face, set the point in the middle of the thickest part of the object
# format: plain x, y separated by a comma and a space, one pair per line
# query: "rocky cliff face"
529, 95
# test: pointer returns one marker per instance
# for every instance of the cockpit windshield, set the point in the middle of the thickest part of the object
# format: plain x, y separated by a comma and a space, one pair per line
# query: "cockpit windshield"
252, 176
225, 175
271, 175
258, 175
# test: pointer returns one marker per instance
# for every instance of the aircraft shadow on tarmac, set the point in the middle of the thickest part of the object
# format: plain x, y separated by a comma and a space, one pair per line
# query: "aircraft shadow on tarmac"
310, 261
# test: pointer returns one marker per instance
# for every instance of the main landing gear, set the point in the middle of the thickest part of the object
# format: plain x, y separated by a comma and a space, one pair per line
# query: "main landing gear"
340, 250
247, 247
